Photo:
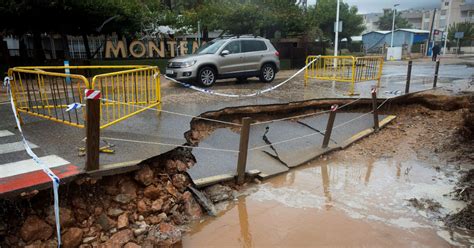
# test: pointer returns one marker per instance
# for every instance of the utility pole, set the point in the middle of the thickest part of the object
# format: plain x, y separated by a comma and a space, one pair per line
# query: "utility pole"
393, 23
446, 28
431, 36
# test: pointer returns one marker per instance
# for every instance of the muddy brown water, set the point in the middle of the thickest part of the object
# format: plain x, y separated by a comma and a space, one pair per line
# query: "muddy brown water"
344, 201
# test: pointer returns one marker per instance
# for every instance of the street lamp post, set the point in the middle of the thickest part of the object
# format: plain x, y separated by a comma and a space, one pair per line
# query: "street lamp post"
446, 28
336, 29
393, 23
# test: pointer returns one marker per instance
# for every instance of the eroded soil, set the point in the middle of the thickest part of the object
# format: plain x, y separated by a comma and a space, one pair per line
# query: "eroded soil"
395, 188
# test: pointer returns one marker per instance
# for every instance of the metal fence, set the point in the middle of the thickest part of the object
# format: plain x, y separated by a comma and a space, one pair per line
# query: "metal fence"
51, 92
344, 69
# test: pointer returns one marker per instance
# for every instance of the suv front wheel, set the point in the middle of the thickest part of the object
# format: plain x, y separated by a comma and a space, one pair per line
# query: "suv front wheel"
267, 73
206, 77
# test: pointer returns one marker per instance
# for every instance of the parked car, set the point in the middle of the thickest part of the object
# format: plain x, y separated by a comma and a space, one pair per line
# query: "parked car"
235, 57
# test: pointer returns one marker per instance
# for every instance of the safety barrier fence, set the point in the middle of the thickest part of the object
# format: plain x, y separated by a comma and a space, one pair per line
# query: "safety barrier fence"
49, 92
347, 69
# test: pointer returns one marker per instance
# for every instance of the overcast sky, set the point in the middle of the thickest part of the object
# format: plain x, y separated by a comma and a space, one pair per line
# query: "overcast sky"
369, 6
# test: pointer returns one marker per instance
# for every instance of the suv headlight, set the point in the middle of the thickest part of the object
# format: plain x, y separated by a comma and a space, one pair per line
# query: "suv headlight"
187, 63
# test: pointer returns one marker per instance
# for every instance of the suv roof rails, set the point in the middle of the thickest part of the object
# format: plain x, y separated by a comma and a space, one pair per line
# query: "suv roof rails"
238, 36
247, 36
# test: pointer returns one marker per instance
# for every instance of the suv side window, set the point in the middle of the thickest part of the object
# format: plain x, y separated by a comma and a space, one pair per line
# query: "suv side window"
253, 46
233, 47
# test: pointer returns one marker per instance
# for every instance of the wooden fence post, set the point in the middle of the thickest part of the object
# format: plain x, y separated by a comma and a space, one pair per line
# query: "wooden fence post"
243, 149
92, 129
327, 133
407, 86
375, 109
436, 74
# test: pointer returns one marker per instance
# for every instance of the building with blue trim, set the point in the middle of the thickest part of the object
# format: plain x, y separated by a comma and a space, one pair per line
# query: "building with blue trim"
376, 40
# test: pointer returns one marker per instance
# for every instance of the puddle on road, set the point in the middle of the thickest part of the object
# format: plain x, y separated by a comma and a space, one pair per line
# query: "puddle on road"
338, 203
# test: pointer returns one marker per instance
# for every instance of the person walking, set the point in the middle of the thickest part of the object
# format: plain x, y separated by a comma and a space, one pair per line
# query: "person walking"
435, 52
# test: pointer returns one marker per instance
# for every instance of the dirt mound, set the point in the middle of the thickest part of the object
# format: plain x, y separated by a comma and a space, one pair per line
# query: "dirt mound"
425, 204
467, 131
463, 219
464, 190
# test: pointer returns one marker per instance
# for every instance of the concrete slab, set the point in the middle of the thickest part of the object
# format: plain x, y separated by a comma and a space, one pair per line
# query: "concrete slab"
294, 152
214, 163
221, 165
361, 121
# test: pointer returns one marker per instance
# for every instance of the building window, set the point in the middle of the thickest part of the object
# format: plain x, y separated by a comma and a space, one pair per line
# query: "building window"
446, 3
77, 49
442, 23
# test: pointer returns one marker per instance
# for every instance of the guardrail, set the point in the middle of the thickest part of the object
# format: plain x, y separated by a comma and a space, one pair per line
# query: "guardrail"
344, 69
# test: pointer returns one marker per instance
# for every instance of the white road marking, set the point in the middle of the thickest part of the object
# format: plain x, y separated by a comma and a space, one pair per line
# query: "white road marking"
4, 133
25, 166
14, 147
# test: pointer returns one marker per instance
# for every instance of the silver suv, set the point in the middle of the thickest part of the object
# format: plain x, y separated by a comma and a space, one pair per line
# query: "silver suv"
236, 57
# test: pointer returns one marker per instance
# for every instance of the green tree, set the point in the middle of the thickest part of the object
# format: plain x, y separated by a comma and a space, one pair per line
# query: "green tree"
465, 27
83, 17
386, 20
259, 17
323, 15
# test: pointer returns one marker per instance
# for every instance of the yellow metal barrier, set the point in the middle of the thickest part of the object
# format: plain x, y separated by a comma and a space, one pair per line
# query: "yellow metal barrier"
344, 69
127, 93
47, 94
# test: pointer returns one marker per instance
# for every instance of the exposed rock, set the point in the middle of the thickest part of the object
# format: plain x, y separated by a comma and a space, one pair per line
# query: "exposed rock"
181, 166
156, 205
88, 240
35, 228
153, 192
122, 221
118, 239
171, 166
128, 187
172, 190
111, 190
164, 234
191, 207
98, 211
114, 212
105, 222
131, 245
78, 202
167, 205
66, 217
219, 193
157, 219
143, 205
180, 181
123, 198
72, 238
36, 244
81, 214
142, 228
144, 175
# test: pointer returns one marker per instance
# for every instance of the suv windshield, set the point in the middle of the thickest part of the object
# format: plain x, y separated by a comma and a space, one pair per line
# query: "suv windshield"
210, 47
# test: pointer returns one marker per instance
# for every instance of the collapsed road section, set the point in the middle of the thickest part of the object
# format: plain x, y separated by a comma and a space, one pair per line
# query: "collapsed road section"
152, 205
